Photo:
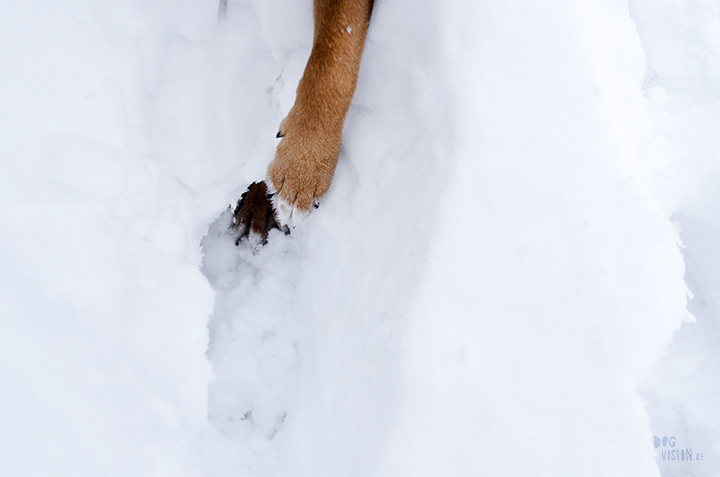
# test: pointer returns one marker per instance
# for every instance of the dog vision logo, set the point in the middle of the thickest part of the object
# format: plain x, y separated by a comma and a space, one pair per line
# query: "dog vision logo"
670, 452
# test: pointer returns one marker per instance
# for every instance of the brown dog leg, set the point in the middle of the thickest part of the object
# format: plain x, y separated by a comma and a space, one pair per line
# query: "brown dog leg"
305, 159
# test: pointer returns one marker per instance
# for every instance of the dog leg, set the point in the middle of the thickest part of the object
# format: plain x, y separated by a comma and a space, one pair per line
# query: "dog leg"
306, 157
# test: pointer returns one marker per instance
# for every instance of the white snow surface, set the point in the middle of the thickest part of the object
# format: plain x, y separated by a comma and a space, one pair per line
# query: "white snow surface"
496, 283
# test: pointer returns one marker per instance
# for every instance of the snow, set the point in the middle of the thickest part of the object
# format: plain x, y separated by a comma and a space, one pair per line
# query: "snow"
681, 41
103, 309
496, 282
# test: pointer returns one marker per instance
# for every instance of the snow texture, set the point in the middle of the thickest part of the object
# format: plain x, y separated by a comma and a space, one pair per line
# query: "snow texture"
515, 271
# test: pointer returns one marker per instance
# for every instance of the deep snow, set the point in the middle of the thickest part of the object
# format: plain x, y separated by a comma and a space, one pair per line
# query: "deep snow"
526, 193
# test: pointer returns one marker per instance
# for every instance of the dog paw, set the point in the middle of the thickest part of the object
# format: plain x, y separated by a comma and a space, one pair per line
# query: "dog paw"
254, 216
301, 173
